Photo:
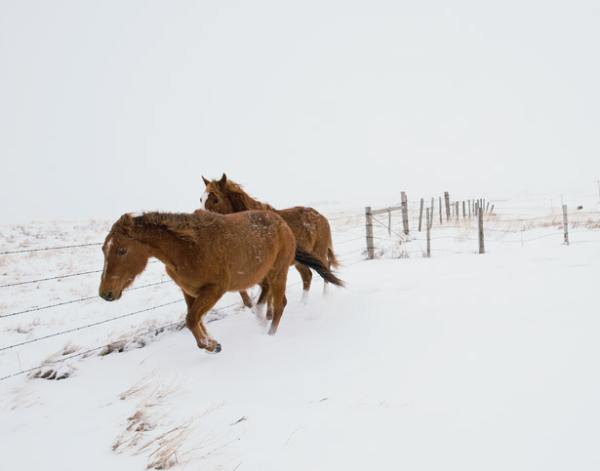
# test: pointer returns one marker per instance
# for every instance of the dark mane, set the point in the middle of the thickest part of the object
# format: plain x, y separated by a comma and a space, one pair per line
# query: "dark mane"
240, 200
185, 225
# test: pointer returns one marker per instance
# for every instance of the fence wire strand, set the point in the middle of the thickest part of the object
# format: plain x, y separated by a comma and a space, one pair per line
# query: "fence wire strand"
44, 249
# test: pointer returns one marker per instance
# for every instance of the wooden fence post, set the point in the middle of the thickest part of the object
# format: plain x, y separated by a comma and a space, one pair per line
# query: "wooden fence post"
405, 212
481, 244
447, 199
440, 210
431, 215
428, 235
566, 224
421, 213
464, 210
369, 226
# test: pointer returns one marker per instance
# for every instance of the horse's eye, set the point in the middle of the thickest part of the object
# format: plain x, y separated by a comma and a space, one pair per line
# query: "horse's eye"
122, 252
215, 200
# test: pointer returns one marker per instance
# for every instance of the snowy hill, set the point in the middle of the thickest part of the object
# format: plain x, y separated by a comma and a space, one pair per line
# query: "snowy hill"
455, 362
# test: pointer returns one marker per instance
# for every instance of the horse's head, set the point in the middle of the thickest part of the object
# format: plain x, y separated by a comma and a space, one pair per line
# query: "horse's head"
124, 259
215, 197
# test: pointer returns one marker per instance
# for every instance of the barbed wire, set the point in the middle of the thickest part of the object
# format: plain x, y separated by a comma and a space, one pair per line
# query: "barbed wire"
349, 240
347, 216
50, 279
156, 329
346, 228
76, 329
13, 252
84, 353
73, 301
60, 277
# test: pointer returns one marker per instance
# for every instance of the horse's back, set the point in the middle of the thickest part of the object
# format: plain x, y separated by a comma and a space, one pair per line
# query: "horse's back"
311, 229
252, 243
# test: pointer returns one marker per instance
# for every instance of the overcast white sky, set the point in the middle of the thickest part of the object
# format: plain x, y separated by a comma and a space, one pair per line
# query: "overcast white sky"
116, 106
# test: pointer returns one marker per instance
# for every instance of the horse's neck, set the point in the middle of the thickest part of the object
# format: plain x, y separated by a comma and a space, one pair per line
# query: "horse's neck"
156, 239
243, 202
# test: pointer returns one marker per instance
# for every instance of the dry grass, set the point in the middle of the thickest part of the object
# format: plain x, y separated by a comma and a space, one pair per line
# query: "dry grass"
22, 398
139, 337
148, 430
54, 367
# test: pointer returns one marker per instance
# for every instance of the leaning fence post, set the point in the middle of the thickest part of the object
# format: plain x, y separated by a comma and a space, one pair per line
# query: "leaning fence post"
421, 214
428, 235
566, 224
369, 226
481, 244
404, 212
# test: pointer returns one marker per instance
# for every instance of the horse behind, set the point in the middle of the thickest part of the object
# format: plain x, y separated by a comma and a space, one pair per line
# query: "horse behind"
206, 255
310, 228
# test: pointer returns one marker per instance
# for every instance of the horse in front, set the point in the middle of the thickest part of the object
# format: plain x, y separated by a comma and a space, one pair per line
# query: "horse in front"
206, 254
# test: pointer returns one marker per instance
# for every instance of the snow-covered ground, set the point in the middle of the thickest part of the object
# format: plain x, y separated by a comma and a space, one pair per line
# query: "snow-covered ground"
455, 362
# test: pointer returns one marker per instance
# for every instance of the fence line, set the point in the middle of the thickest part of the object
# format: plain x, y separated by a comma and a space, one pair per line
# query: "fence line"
476, 208
378, 230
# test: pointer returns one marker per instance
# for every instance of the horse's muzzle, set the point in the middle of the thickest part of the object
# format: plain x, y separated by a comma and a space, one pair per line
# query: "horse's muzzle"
108, 296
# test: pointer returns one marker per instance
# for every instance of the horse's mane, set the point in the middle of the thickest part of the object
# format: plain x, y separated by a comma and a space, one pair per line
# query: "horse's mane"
240, 200
185, 225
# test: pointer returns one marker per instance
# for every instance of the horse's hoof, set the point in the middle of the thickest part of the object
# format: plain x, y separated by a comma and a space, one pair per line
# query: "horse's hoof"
215, 351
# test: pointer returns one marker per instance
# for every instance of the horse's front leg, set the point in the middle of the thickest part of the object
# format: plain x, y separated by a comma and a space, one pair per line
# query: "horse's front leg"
197, 307
246, 299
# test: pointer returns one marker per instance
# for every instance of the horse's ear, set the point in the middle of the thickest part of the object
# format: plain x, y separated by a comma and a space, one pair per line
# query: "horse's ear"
206, 182
223, 180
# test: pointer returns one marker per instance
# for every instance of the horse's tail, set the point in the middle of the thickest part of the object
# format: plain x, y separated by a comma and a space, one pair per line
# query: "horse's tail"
333, 261
317, 265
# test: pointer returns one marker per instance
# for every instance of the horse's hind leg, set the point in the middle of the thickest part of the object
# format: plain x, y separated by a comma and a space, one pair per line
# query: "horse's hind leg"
306, 276
197, 307
279, 301
264, 299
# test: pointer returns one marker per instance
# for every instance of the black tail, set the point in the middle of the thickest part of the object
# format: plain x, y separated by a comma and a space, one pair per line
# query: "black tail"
312, 262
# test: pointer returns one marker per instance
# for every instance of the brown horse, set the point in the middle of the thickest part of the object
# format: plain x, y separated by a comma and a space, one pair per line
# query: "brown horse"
310, 228
207, 255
